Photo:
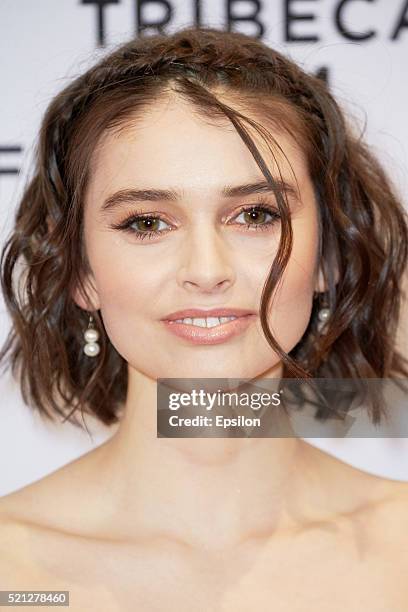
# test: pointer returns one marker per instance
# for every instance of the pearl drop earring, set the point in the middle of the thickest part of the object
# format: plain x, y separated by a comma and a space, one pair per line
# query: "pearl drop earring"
323, 316
91, 335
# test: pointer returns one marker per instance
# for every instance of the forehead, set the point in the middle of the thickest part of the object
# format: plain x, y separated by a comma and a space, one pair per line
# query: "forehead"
171, 144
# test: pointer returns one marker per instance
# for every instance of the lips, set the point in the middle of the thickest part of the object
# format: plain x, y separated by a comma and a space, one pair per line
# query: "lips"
218, 334
196, 313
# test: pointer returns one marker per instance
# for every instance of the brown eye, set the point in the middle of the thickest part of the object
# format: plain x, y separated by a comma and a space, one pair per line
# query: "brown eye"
255, 215
258, 217
143, 226
147, 224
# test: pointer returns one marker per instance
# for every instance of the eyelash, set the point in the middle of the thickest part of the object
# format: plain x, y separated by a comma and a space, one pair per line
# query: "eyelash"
134, 217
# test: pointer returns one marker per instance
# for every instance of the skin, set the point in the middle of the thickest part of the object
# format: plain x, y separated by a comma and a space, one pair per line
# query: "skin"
151, 494
203, 263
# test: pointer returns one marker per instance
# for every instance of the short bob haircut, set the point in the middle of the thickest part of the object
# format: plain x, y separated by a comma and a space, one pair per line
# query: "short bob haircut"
363, 226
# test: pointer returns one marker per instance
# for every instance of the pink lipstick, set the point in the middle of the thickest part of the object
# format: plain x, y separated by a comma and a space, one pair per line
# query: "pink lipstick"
209, 326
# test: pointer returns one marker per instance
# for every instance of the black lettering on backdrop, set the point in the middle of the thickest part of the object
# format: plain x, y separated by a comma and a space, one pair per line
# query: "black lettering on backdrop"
402, 22
338, 18
142, 24
100, 16
9, 150
253, 17
197, 13
290, 17
293, 11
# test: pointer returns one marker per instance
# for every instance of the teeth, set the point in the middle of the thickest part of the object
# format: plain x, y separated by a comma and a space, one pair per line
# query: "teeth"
213, 321
205, 322
200, 322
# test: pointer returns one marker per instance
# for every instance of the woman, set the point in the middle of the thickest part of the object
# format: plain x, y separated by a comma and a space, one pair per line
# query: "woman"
202, 171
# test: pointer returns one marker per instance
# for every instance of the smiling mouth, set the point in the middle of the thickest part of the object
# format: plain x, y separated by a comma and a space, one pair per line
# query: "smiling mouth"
204, 322
209, 330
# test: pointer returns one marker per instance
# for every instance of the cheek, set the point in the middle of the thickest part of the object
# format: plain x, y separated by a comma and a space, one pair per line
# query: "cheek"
128, 286
293, 301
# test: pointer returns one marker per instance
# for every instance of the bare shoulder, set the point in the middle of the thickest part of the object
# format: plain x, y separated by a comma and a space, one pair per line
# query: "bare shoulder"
31, 503
385, 513
12, 514
37, 555
392, 514
54, 501
14, 548
353, 492
38, 518
36, 547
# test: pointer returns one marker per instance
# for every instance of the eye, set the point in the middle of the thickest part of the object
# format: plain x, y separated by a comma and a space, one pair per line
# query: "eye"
255, 216
143, 225
146, 225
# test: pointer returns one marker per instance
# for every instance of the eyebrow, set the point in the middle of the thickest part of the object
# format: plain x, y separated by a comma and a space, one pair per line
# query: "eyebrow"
124, 196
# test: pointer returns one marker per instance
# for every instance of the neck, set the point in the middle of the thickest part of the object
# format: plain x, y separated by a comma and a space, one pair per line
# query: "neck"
207, 492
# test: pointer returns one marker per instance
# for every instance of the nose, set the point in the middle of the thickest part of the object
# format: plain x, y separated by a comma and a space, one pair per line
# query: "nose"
205, 262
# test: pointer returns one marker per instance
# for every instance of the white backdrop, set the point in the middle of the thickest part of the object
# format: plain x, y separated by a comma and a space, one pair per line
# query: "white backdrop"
362, 47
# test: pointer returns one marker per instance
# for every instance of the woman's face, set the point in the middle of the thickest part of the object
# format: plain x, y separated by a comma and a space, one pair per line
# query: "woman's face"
206, 257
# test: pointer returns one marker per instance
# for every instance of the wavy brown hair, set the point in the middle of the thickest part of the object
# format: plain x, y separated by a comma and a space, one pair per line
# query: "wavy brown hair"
363, 227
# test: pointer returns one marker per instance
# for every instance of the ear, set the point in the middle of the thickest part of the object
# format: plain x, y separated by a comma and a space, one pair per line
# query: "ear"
320, 284
87, 297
